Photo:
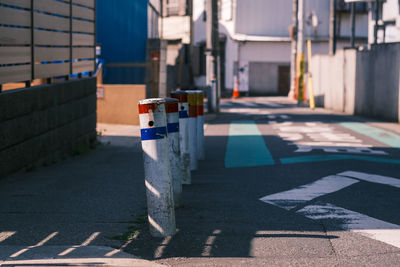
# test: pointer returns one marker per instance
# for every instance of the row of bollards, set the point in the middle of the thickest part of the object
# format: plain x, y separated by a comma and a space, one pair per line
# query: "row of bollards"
172, 134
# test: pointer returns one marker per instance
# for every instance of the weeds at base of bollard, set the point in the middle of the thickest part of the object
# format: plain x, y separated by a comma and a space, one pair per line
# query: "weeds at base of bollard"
133, 230
127, 236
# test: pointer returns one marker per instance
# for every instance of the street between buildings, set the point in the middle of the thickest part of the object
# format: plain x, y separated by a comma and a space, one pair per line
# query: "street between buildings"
281, 185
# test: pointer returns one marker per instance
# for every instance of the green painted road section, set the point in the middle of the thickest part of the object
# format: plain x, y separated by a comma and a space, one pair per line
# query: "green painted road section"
320, 158
246, 146
385, 137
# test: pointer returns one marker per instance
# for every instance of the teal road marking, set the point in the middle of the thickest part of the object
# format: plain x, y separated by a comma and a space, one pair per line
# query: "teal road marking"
319, 158
385, 137
246, 146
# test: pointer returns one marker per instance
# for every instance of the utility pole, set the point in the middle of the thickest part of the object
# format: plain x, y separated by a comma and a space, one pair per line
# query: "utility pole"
332, 27
353, 23
376, 21
300, 54
191, 31
211, 55
293, 34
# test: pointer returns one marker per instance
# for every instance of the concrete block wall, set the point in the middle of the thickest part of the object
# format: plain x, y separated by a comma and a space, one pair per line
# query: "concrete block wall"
377, 86
45, 122
334, 80
360, 82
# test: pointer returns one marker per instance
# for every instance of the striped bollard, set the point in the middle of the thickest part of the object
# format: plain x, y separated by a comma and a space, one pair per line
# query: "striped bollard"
200, 125
182, 96
160, 203
171, 107
192, 100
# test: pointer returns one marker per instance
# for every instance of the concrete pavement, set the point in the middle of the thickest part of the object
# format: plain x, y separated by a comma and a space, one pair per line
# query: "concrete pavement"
77, 211
280, 186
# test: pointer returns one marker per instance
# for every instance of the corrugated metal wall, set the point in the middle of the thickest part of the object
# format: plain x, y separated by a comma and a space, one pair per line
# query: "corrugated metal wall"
122, 33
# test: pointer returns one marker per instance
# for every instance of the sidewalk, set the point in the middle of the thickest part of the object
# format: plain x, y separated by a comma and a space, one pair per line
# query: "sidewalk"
79, 210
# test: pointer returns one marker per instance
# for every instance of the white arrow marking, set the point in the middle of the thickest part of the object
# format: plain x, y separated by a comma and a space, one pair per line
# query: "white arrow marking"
291, 198
373, 178
388, 233
356, 222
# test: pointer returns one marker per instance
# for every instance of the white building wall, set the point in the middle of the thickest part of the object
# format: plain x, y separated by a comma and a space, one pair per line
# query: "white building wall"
263, 19
391, 12
199, 25
176, 27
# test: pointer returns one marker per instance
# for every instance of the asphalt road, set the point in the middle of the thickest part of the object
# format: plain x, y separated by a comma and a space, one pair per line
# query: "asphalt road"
283, 185
280, 186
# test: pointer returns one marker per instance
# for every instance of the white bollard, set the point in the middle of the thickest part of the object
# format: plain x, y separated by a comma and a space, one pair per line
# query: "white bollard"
171, 107
192, 100
184, 134
160, 203
200, 125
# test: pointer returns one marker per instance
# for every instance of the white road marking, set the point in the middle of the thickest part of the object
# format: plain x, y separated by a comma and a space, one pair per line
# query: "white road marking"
41, 243
250, 111
291, 198
386, 232
249, 104
285, 117
323, 137
331, 144
302, 129
330, 136
272, 117
356, 222
274, 105
373, 178
291, 136
339, 149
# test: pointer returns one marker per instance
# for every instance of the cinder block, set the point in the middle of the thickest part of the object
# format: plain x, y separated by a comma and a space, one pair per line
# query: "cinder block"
45, 121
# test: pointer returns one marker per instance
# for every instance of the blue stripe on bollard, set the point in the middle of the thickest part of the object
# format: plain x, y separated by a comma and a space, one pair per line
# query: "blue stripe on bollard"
183, 114
153, 133
173, 127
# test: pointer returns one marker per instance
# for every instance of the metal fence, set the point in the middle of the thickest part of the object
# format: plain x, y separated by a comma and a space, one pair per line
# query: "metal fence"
46, 38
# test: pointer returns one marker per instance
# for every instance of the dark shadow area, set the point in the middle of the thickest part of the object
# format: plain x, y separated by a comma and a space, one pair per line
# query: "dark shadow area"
89, 199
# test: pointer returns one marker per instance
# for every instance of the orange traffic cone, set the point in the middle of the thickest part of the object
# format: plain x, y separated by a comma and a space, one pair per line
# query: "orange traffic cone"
236, 93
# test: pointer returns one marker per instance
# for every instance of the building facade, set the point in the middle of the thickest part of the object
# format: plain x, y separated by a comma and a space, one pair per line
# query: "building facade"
388, 22
258, 44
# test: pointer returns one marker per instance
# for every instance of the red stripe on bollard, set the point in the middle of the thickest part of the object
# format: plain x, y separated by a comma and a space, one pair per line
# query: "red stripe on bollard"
180, 95
144, 108
200, 110
192, 111
171, 107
